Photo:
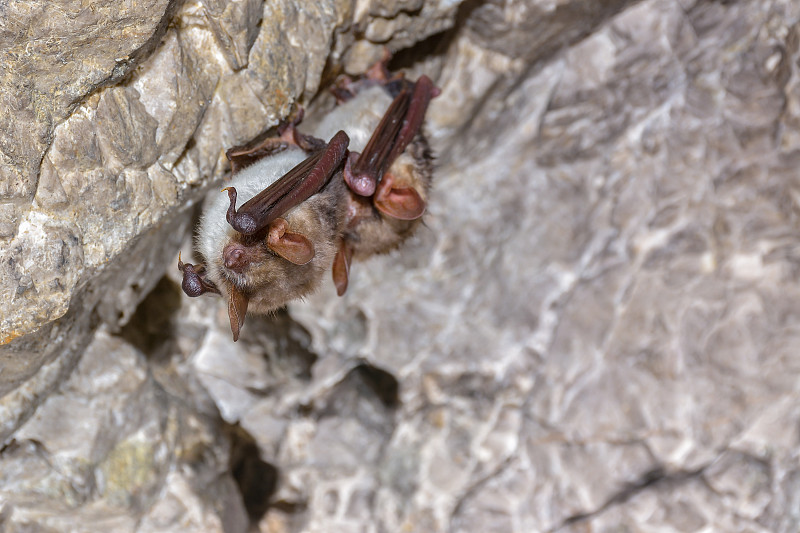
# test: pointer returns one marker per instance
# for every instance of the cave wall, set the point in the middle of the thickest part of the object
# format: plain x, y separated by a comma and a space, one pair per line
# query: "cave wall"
596, 327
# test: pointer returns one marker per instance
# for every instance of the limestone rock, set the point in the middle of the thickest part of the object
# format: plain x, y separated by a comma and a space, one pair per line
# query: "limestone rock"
596, 329
114, 450
118, 120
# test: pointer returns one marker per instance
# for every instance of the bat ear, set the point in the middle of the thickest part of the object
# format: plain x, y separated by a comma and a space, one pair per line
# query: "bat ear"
237, 309
294, 247
341, 267
403, 203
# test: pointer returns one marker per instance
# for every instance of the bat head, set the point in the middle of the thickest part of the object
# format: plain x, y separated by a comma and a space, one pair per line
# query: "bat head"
288, 260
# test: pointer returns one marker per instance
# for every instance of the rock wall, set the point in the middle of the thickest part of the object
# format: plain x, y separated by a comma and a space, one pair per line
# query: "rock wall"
596, 329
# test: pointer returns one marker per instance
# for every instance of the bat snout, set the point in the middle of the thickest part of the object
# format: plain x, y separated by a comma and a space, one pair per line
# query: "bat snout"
235, 257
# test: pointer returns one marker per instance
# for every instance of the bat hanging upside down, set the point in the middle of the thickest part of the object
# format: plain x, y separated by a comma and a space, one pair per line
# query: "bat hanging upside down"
310, 205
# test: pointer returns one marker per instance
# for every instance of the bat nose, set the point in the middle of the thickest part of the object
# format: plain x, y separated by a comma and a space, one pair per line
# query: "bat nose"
235, 257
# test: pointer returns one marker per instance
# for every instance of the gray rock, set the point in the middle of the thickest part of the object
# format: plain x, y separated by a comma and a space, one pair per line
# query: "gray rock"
55, 56
112, 450
595, 329
235, 27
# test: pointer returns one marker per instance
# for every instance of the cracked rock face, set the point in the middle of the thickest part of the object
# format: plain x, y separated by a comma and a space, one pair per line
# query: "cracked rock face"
118, 119
595, 330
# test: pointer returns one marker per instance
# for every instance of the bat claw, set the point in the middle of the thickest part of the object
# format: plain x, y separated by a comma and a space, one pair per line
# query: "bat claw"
293, 122
289, 134
346, 88
379, 71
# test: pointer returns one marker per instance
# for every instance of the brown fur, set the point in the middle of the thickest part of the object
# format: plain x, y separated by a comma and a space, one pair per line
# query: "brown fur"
372, 232
271, 281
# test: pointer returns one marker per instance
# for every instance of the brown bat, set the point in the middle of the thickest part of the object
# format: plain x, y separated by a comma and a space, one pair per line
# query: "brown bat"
311, 205
388, 182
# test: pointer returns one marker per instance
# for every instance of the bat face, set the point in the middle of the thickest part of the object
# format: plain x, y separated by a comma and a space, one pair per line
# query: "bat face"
214, 232
310, 206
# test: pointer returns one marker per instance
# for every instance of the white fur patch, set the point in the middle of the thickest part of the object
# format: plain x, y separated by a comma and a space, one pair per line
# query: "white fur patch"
358, 117
214, 231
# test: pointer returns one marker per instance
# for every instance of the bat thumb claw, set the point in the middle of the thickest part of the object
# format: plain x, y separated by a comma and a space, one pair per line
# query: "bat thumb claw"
361, 183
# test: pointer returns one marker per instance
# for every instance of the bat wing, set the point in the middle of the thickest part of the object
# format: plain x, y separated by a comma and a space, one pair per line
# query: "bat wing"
267, 143
401, 122
303, 181
264, 145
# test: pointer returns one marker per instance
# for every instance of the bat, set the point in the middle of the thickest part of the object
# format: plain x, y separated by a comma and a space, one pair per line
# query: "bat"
389, 168
281, 241
311, 206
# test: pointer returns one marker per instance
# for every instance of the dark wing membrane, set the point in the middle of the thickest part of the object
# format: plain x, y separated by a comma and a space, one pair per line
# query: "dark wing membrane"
401, 122
264, 145
297, 185
424, 90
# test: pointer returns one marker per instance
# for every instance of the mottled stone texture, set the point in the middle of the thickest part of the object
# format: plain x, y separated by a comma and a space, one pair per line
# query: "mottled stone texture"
596, 330
117, 116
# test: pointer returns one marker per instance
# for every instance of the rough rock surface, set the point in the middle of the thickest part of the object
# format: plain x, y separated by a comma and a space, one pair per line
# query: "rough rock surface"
595, 331
118, 116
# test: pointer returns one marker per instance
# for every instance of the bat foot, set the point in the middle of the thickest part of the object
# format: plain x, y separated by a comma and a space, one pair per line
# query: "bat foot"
346, 88
379, 71
267, 143
194, 282
289, 134
245, 155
